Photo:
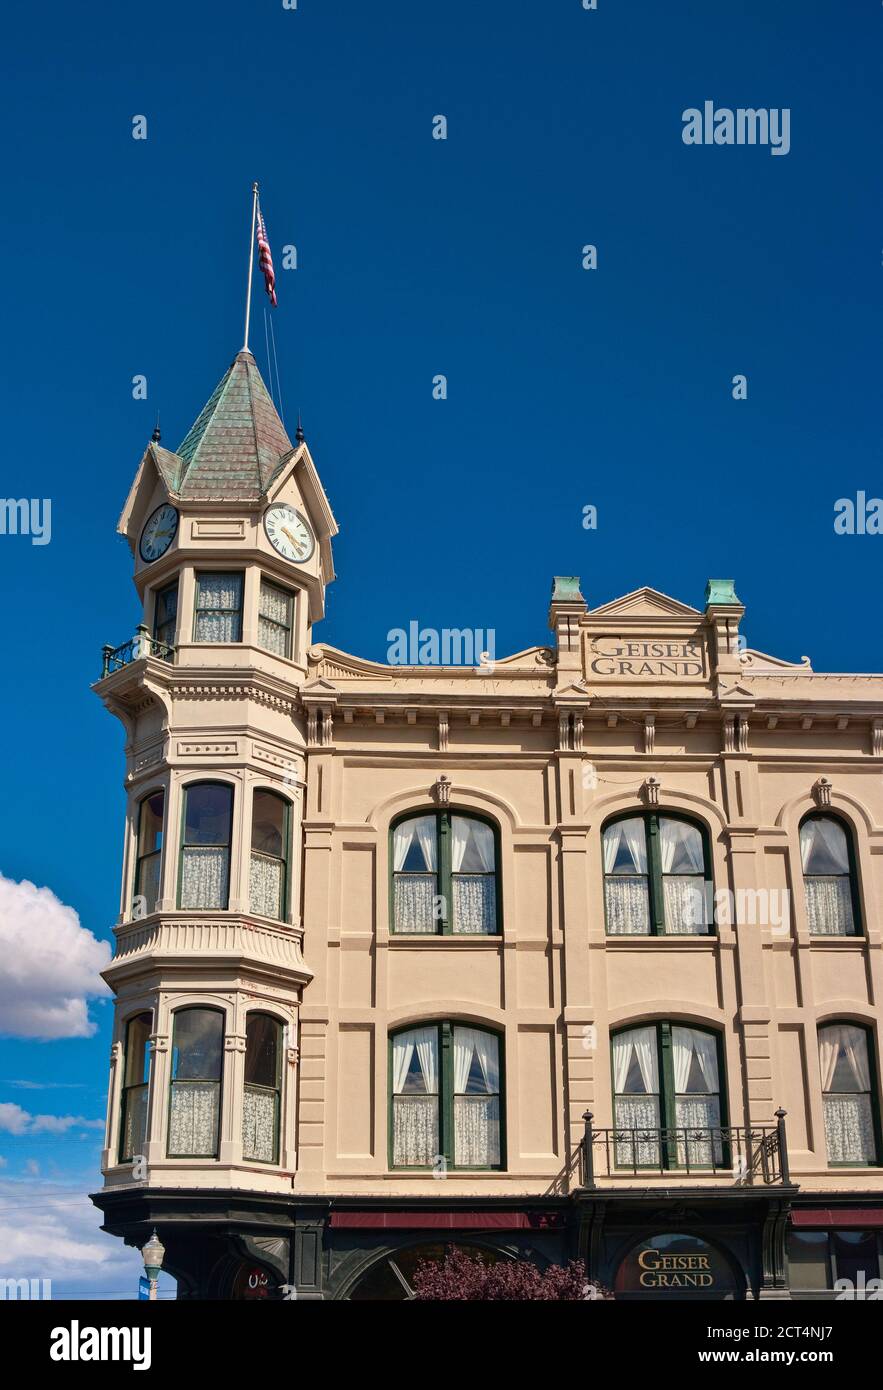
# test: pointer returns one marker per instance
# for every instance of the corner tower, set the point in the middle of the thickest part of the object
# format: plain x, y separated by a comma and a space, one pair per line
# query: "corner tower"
231, 538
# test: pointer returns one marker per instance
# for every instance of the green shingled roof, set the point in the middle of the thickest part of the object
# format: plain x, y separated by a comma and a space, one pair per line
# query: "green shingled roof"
233, 449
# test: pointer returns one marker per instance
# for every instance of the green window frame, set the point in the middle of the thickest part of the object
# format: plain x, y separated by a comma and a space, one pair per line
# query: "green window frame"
451, 1038
452, 892
872, 1091
195, 1083
200, 842
217, 606
135, 1087
275, 632
655, 877
149, 848
165, 614
262, 1088
675, 1147
268, 879
813, 883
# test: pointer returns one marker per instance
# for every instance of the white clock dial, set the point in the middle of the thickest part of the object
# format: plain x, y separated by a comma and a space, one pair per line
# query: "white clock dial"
159, 532
288, 533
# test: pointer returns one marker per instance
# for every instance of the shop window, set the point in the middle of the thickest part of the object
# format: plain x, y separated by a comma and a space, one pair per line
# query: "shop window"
390, 1280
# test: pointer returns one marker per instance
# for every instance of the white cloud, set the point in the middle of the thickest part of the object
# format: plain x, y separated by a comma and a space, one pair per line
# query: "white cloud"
51, 965
15, 1120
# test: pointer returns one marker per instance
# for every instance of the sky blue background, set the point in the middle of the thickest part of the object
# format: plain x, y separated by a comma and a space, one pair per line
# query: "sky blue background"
419, 257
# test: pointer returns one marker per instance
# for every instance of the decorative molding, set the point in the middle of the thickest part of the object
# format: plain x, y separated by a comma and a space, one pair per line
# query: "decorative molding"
650, 791
649, 732
442, 791
877, 738
443, 731
729, 732
195, 690
222, 748
822, 791
217, 529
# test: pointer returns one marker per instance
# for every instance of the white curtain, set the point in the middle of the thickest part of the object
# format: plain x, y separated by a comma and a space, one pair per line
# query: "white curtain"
215, 594
636, 1111
475, 897
693, 1109
626, 898
204, 876
681, 849
823, 847
460, 828
193, 1118
415, 1114
259, 1124
265, 885
829, 906
425, 828
414, 891
401, 843
476, 1116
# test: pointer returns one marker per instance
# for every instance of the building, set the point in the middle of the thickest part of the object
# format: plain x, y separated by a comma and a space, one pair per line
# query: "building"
571, 953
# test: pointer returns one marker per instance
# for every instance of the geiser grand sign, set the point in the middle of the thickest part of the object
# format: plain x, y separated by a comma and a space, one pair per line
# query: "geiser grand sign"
652, 658
660, 1271
675, 1264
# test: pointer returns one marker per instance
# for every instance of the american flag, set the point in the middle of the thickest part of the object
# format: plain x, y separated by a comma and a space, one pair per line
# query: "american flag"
265, 258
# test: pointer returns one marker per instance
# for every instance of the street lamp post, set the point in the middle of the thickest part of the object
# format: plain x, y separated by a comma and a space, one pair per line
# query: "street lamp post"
153, 1255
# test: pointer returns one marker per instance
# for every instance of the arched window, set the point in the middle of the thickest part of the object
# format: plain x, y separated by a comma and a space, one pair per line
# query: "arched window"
829, 879
268, 870
852, 1124
444, 875
263, 1069
148, 864
657, 877
195, 1098
391, 1278
136, 1069
205, 850
445, 1098
667, 1096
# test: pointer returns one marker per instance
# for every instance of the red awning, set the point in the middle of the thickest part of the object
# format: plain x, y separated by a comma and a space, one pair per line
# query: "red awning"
866, 1217
402, 1220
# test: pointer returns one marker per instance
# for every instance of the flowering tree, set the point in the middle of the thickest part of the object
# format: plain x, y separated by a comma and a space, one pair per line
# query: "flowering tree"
467, 1277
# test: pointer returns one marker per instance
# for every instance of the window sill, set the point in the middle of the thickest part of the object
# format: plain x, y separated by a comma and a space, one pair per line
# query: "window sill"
693, 942
438, 939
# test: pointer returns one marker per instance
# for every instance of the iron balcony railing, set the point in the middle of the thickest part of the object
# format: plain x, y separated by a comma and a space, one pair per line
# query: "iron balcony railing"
142, 644
745, 1154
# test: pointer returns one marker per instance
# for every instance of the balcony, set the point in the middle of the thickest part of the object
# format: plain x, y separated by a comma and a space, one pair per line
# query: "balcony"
746, 1155
141, 645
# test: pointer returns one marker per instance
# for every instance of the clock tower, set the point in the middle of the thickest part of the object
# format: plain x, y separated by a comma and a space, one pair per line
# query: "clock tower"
231, 539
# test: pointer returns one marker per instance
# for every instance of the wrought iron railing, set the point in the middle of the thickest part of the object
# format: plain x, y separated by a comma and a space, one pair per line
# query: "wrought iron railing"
142, 644
746, 1154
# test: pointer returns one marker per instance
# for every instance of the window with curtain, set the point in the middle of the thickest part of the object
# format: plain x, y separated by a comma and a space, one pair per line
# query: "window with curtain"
275, 607
268, 869
136, 1069
828, 878
445, 1097
218, 613
195, 1093
165, 614
262, 1094
847, 1094
656, 877
666, 1097
205, 849
444, 875
148, 863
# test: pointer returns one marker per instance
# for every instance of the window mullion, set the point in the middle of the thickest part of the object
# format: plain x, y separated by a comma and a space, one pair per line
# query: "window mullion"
445, 885
446, 1092
667, 1107
654, 866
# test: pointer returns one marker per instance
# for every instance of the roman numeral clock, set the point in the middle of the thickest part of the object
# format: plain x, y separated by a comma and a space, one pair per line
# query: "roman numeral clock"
289, 533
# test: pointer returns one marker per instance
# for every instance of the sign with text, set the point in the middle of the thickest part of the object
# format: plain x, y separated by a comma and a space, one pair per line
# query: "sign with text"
646, 658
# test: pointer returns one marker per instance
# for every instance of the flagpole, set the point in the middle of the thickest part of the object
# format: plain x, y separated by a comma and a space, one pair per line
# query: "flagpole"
254, 214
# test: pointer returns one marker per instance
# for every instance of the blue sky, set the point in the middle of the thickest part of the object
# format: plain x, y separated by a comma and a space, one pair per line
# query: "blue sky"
417, 256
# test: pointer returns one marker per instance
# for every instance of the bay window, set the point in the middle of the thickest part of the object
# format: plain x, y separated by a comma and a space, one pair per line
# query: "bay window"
444, 875
148, 859
218, 612
205, 848
268, 868
657, 876
667, 1097
262, 1093
829, 881
275, 608
445, 1098
136, 1069
848, 1094
165, 614
195, 1091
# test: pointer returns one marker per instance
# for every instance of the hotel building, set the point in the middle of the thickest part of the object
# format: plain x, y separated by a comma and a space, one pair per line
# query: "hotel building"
575, 953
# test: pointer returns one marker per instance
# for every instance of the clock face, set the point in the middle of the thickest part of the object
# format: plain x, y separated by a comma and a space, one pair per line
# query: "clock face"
289, 533
159, 532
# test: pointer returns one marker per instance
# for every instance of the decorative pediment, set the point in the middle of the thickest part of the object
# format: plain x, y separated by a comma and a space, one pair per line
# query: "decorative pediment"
759, 663
646, 603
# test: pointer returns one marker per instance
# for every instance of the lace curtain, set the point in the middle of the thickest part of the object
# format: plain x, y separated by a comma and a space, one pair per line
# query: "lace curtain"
846, 1082
696, 1105
265, 885
135, 1121
148, 880
204, 876
414, 891
626, 894
415, 1113
829, 906
636, 1111
274, 620
193, 1118
218, 608
824, 853
476, 1116
683, 869
475, 898
259, 1124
